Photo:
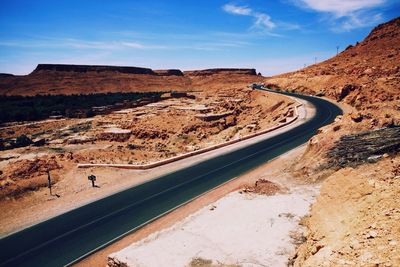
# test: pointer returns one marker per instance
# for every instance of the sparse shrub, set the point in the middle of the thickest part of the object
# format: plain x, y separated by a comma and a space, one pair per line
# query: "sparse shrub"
81, 127
131, 146
58, 149
22, 141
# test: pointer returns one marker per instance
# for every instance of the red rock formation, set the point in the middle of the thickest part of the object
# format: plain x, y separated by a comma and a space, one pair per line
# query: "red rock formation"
221, 71
91, 68
86, 79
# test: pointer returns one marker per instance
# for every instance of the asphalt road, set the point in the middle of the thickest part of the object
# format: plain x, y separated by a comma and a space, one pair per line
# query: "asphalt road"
67, 237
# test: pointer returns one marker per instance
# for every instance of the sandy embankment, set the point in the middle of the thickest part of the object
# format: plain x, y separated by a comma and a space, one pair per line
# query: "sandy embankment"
244, 229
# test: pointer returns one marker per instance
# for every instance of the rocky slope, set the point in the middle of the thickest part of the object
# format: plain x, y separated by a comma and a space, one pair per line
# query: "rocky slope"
355, 219
85, 79
366, 75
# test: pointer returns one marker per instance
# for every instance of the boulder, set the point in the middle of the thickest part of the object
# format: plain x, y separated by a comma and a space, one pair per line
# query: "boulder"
115, 134
345, 91
357, 117
39, 142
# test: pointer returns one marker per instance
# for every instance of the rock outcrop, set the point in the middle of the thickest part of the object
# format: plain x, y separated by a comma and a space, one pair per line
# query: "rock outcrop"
88, 79
91, 68
221, 71
3, 75
170, 72
115, 134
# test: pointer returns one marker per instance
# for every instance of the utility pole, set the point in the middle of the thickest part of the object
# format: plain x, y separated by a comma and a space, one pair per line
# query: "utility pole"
337, 50
315, 60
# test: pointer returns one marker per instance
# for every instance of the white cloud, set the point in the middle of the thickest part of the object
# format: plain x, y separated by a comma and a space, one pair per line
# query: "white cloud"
355, 21
262, 21
346, 15
341, 8
237, 10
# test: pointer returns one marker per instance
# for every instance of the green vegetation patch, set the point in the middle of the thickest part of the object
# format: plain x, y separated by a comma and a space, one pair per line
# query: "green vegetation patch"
32, 108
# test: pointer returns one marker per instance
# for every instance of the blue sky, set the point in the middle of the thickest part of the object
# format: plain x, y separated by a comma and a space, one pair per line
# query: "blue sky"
272, 36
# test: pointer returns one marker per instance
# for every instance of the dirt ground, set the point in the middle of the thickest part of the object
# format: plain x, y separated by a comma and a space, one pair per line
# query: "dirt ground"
355, 220
24, 169
139, 135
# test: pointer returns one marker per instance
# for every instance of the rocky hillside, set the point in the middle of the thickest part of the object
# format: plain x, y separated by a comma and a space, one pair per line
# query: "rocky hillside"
90, 68
85, 79
365, 75
354, 221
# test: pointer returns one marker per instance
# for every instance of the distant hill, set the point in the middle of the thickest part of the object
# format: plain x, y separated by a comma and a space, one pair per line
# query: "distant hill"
86, 79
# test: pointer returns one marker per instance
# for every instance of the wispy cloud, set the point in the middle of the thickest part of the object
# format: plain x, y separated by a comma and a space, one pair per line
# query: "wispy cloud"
198, 43
346, 15
76, 43
237, 10
357, 20
262, 21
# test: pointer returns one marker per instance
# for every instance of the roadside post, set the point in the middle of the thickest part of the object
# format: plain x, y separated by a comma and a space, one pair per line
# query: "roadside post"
49, 182
93, 179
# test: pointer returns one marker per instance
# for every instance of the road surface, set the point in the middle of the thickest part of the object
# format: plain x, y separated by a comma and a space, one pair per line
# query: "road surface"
63, 239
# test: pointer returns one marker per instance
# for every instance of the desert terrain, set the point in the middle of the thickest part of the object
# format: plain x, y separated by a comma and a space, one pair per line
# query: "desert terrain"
355, 161
356, 158
348, 173
174, 124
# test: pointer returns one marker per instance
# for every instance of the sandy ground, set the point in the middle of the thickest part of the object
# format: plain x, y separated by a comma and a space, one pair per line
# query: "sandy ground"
243, 229
77, 191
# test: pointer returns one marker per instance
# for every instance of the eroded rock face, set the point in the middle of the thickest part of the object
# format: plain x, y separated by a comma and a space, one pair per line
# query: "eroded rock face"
354, 221
92, 68
149, 134
170, 72
221, 71
88, 79
115, 134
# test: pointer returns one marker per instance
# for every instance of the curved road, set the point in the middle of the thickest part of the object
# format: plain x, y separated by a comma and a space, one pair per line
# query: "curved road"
67, 237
